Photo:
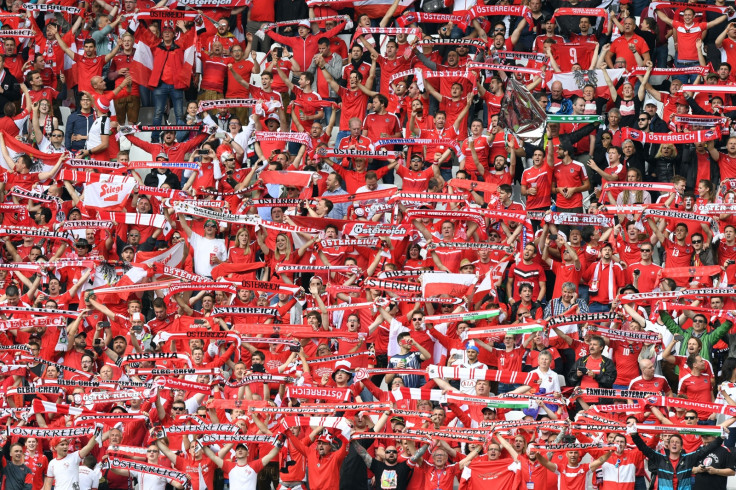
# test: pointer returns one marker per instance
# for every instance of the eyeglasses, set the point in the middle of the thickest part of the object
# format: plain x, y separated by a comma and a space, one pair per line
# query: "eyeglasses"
209, 226
645, 250
699, 321
178, 409
229, 160
416, 319
690, 417
697, 241
57, 135
155, 451
391, 451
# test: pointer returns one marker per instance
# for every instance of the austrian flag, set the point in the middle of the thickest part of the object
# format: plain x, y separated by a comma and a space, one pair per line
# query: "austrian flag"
439, 283
144, 61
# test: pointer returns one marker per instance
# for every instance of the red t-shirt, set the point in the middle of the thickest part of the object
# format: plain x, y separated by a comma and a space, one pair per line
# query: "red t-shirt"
541, 179
569, 176
685, 37
86, 69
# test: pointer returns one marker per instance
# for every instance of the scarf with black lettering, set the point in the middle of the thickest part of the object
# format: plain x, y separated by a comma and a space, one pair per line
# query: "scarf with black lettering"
671, 214
700, 136
149, 469
331, 394
24, 231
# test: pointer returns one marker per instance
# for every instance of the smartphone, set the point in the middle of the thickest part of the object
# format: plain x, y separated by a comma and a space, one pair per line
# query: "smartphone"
279, 52
203, 152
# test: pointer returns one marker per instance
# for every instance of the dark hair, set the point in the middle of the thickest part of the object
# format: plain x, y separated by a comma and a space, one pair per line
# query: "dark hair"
506, 188
159, 303
329, 205
382, 99
89, 40
46, 213
402, 336
308, 76
598, 339
618, 150
12, 290
30, 75
691, 359
322, 41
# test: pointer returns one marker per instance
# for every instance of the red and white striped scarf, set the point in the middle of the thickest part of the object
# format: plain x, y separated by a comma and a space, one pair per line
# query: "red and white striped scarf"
281, 137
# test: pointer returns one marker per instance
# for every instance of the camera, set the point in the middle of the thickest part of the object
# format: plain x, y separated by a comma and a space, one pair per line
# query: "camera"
279, 52
203, 152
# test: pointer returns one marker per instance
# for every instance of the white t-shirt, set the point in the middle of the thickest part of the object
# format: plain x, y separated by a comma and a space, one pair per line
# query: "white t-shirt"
149, 482
100, 126
549, 381
203, 248
65, 471
88, 478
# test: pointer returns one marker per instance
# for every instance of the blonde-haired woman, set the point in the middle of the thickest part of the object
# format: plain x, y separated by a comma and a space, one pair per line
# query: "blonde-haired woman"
665, 163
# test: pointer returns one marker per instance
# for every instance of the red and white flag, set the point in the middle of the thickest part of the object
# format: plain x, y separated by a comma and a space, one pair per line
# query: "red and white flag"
439, 283
110, 196
142, 65
375, 9
573, 82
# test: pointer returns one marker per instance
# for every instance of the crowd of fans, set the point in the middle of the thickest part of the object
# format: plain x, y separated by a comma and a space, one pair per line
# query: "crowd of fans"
336, 244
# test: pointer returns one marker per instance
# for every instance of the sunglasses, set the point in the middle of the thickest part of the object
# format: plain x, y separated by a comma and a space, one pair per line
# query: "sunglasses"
416, 319
644, 119
56, 135
646, 250
698, 321
391, 451
178, 409
690, 417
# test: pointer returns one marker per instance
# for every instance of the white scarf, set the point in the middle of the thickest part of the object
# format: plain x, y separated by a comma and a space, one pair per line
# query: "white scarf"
610, 277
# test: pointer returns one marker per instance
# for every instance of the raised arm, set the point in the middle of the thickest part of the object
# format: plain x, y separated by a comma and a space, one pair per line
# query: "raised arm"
63, 46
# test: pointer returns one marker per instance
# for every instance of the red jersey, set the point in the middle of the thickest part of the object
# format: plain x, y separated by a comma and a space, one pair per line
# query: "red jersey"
621, 47
214, 72
569, 176
685, 37
86, 69
541, 179
354, 104
526, 274
697, 389
448, 132
389, 68
381, 126
648, 276
414, 181
678, 256
244, 68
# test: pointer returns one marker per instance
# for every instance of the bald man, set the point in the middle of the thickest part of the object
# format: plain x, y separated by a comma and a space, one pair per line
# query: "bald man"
648, 381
